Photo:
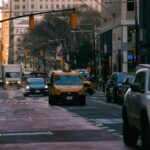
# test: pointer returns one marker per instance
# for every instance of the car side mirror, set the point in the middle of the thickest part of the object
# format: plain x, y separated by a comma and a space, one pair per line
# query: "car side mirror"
123, 83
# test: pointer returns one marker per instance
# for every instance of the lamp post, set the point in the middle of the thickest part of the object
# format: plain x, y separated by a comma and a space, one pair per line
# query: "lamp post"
136, 24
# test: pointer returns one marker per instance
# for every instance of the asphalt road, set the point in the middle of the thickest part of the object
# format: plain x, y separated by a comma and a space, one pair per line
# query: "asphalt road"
30, 123
101, 113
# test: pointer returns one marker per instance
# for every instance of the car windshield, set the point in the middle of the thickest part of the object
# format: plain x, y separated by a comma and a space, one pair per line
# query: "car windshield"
120, 78
83, 78
13, 74
36, 81
130, 78
67, 80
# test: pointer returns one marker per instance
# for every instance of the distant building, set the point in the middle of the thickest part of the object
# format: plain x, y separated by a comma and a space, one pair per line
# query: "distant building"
21, 7
0, 46
19, 27
117, 37
144, 31
5, 33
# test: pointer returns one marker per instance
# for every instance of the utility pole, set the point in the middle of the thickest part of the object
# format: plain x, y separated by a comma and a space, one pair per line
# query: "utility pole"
137, 32
94, 51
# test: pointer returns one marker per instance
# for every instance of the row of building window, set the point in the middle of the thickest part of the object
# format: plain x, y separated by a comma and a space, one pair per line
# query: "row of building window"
48, 0
46, 6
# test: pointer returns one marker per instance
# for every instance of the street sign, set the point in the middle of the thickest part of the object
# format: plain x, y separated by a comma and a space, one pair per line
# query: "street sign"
130, 57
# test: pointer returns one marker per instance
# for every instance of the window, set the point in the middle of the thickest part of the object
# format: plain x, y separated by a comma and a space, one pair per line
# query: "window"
52, 6
63, 6
23, 7
18, 39
16, 7
140, 79
41, 6
46, 6
130, 5
57, 6
32, 6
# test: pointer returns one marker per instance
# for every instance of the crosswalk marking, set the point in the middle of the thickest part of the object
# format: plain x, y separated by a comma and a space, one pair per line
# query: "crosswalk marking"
108, 121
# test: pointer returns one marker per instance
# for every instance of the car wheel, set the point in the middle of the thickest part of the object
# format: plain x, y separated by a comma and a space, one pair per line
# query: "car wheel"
115, 97
90, 92
25, 94
130, 136
108, 98
145, 133
82, 101
121, 99
51, 101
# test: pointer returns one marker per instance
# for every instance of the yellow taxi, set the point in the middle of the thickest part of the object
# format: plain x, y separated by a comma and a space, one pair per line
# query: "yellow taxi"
89, 86
66, 87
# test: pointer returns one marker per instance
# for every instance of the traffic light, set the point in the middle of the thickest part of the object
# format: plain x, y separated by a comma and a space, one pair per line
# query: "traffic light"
31, 22
73, 20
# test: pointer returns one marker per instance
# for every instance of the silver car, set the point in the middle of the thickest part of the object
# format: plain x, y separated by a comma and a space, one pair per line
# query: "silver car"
136, 109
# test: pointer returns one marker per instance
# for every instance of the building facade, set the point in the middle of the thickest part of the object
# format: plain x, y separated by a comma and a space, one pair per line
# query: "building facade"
144, 11
117, 37
22, 7
5, 33
0, 46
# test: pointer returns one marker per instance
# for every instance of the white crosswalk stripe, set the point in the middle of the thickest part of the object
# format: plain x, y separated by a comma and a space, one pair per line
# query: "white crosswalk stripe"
109, 121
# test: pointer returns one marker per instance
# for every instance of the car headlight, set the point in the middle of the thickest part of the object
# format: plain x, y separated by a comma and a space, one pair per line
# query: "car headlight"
19, 82
7, 82
46, 86
27, 87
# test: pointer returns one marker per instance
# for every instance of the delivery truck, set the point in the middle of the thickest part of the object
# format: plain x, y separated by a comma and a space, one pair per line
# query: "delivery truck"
12, 74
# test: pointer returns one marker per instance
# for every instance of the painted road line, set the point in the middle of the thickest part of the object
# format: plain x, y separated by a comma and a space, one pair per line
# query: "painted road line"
109, 121
26, 133
104, 103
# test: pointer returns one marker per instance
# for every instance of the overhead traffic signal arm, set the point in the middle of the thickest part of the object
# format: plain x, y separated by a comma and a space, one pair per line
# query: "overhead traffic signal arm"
31, 17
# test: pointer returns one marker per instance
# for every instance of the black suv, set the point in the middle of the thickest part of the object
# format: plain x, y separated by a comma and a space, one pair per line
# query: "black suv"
113, 86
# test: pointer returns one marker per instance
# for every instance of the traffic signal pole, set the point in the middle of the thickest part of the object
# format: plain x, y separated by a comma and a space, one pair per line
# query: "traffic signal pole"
45, 12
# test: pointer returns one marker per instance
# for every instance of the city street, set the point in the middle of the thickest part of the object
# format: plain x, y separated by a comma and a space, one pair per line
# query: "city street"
56, 58
30, 123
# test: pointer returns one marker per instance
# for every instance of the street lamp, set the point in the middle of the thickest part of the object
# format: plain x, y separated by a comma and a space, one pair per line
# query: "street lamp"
136, 23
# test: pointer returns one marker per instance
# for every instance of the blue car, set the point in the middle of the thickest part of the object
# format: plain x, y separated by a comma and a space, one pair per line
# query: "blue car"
36, 86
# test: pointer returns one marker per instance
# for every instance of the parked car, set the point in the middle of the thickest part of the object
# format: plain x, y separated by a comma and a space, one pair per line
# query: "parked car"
113, 86
124, 87
136, 109
66, 87
36, 86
